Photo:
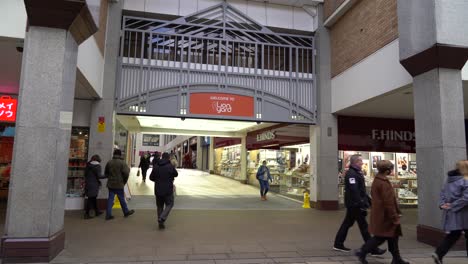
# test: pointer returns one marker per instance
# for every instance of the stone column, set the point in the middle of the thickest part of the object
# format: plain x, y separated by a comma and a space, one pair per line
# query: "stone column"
433, 49
326, 133
243, 158
211, 156
101, 139
199, 153
34, 228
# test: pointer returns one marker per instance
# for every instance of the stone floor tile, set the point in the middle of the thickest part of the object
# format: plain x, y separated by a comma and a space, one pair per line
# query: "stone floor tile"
253, 255
207, 256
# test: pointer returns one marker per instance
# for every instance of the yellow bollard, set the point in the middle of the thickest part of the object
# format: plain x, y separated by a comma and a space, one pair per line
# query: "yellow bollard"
116, 203
306, 200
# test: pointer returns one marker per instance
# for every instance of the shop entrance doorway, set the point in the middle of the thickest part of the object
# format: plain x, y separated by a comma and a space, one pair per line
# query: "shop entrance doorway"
217, 161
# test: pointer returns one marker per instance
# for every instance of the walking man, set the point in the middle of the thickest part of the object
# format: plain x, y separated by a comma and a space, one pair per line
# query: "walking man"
263, 177
117, 173
357, 202
164, 175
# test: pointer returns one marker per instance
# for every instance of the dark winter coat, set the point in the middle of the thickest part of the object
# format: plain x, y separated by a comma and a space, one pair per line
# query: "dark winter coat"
455, 192
355, 190
117, 173
144, 162
164, 175
385, 214
93, 173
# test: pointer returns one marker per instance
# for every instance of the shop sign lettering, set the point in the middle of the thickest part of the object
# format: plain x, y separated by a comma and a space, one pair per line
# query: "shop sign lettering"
7, 109
267, 135
393, 135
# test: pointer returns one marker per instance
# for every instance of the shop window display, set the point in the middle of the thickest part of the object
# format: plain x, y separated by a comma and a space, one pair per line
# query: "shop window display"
77, 161
403, 179
289, 168
227, 162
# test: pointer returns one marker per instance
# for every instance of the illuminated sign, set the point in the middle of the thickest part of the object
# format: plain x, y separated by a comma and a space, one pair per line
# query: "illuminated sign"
221, 104
8, 109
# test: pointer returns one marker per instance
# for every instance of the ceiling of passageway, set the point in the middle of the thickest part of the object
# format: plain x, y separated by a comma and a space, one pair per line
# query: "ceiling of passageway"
395, 104
197, 127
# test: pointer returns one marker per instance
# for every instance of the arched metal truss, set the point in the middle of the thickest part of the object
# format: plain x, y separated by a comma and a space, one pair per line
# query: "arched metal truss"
217, 50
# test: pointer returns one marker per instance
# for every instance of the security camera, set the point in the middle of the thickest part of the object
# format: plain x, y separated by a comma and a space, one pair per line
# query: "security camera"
19, 46
182, 118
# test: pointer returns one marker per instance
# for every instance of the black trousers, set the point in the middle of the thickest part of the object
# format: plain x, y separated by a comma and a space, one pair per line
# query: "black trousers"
450, 240
143, 172
376, 241
353, 215
164, 206
91, 204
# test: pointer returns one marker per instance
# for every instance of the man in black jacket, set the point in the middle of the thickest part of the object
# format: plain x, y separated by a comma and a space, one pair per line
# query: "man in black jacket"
164, 175
357, 202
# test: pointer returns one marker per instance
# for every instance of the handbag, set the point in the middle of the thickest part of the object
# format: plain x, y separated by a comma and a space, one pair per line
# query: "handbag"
138, 173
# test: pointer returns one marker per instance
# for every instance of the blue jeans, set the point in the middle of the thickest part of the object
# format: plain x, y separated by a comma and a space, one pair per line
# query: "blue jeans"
110, 201
264, 187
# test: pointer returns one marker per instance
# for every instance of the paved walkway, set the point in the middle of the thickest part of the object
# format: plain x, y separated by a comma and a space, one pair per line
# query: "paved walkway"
204, 191
233, 228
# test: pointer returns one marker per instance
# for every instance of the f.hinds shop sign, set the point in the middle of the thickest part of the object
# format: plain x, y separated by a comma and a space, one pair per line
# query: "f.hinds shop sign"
376, 134
221, 104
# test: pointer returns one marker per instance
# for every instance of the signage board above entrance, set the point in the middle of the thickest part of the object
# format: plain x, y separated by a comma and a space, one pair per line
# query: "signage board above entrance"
221, 104
8, 109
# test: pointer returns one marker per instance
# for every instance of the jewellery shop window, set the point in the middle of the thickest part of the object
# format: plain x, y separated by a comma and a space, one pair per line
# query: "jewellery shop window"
227, 162
77, 161
403, 178
289, 168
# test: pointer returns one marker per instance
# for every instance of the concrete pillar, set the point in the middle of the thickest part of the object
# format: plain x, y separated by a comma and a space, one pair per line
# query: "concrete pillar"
326, 133
34, 229
38, 184
101, 139
211, 156
440, 137
243, 158
199, 153
433, 49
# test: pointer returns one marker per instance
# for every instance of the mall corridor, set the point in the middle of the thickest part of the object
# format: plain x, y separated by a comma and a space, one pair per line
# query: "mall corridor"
200, 190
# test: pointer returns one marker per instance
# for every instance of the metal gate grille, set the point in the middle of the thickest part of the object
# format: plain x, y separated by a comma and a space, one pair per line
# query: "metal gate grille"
218, 50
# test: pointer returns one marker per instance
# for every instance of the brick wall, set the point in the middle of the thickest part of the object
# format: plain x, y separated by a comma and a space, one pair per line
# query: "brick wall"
367, 27
329, 6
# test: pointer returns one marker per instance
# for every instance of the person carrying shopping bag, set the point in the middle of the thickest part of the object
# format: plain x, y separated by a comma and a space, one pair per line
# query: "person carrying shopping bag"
454, 203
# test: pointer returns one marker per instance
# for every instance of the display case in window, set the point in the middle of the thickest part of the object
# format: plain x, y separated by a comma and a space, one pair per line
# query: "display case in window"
227, 162
77, 161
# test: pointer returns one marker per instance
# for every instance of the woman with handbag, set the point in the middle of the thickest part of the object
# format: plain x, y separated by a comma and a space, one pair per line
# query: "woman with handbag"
144, 165
384, 216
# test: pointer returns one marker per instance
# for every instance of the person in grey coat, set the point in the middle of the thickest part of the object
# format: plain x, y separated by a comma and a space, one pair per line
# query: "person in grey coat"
93, 174
454, 203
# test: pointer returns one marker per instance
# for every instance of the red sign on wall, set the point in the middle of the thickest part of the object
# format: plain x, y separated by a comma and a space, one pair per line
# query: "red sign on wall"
8, 109
221, 104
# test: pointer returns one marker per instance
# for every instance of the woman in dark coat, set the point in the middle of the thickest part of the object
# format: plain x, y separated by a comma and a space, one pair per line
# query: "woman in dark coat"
454, 203
93, 174
384, 217
144, 165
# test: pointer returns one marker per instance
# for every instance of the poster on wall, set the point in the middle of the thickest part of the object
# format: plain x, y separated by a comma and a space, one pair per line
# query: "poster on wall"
346, 159
402, 163
376, 157
413, 167
150, 140
365, 167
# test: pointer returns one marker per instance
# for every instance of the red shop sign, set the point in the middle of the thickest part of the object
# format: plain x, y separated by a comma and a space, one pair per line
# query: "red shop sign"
8, 108
376, 134
221, 104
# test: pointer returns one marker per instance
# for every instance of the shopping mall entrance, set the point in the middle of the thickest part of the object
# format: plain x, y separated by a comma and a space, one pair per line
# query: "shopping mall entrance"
217, 161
